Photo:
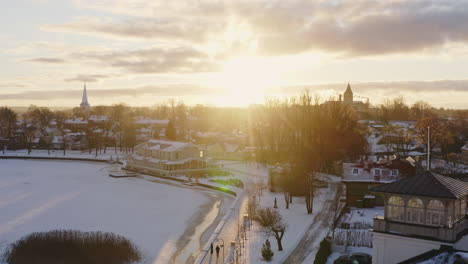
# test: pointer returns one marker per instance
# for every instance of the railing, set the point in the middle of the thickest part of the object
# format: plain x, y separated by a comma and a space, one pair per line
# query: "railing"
370, 178
442, 233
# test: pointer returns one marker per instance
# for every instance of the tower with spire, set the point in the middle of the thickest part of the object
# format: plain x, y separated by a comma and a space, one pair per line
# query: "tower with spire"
84, 100
348, 95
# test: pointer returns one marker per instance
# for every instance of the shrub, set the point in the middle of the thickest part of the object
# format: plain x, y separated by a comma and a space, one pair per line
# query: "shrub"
323, 252
71, 247
267, 253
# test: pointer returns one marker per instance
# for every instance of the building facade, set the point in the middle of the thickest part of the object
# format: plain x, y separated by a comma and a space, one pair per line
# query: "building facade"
422, 213
359, 177
168, 158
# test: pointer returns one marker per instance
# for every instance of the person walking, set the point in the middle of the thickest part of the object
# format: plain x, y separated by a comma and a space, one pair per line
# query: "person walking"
217, 252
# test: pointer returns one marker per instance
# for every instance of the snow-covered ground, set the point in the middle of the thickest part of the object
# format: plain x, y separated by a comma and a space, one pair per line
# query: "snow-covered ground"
111, 153
447, 258
358, 238
161, 217
299, 222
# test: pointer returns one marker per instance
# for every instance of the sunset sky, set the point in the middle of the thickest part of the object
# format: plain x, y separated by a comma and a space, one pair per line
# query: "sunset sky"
232, 52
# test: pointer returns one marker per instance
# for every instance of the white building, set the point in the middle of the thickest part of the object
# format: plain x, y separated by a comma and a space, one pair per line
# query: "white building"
167, 158
422, 213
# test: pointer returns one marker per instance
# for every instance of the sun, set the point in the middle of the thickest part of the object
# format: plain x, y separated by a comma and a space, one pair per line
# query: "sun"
246, 80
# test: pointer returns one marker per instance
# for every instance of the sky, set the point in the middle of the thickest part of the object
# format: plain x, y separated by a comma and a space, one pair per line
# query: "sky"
232, 52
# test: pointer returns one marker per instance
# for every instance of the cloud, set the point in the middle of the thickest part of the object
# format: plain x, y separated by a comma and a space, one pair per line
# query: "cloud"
349, 27
48, 60
87, 78
407, 28
392, 89
154, 60
143, 28
153, 90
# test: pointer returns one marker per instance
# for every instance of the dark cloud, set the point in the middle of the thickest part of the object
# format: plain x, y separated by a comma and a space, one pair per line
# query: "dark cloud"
410, 30
353, 28
48, 60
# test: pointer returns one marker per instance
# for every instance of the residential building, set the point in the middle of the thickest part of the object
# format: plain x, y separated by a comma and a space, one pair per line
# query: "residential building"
168, 158
359, 177
421, 213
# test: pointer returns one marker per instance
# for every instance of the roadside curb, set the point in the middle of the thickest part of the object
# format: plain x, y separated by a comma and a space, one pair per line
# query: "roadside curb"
219, 228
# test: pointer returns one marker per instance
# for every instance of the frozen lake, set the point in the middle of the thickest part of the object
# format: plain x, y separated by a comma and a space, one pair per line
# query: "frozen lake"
161, 218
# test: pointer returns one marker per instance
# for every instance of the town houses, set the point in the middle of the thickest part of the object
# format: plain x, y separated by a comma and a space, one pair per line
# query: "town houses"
398, 190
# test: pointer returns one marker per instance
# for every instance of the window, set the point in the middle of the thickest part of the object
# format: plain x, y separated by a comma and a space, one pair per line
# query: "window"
377, 172
435, 213
396, 208
415, 211
462, 208
394, 172
355, 171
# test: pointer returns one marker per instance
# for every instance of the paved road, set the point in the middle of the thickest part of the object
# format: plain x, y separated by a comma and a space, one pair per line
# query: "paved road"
316, 231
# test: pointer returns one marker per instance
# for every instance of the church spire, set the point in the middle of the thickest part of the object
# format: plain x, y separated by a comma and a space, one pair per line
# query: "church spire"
348, 95
84, 100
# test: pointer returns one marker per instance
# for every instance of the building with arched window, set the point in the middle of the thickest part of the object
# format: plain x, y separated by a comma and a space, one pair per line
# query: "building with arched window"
168, 158
422, 213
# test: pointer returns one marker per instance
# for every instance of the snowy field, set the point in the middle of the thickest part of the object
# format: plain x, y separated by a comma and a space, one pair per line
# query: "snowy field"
161, 218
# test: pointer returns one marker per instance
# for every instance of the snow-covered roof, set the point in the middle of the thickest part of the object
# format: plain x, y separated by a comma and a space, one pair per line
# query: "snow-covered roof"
465, 147
152, 121
166, 145
57, 140
98, 118
76, 121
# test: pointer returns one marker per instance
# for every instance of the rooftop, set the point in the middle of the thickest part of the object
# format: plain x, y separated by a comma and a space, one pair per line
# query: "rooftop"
427, 184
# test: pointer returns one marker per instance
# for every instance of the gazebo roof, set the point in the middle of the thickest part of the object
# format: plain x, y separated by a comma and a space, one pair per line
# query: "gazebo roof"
428, 184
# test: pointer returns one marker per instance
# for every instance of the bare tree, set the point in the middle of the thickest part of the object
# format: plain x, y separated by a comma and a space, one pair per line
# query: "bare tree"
60, 118
273, 224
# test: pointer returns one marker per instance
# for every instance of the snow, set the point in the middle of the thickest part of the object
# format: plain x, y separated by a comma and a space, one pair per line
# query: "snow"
298, 222
296, 217
350, 250
46, 195
359, 220
110, 153
447, 258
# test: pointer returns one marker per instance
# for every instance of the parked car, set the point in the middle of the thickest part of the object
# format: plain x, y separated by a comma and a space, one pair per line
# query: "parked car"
354, 258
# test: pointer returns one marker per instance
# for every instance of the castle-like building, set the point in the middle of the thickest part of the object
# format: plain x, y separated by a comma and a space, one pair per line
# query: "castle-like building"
347, 98
84, 105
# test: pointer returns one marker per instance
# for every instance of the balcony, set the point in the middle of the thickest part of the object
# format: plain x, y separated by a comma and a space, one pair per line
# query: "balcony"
440, 233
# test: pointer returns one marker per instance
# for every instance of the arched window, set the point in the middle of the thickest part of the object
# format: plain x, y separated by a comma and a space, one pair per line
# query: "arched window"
396, 208
435, 213
415, 211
